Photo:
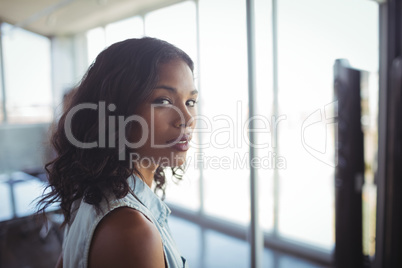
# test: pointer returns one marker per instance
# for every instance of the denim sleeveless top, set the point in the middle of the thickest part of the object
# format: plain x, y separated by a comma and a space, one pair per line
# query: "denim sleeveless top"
78, 234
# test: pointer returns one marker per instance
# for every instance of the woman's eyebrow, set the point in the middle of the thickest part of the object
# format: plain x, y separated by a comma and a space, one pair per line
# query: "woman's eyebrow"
174, 90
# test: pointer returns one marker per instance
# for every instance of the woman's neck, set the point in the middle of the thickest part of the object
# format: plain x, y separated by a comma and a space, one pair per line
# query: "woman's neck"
147, 174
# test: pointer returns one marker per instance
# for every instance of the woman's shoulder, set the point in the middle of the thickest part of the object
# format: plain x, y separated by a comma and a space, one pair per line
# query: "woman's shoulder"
126, 238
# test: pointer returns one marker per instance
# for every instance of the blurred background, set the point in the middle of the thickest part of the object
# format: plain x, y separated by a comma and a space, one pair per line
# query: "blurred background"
308, 198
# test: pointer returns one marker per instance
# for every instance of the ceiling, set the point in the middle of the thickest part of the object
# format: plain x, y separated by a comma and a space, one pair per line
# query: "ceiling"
66, 17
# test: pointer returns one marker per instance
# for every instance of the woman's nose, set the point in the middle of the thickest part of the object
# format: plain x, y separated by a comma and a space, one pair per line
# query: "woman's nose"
185, 118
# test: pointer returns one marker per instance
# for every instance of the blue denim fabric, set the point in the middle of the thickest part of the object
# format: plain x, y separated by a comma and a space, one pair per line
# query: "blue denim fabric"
78, 234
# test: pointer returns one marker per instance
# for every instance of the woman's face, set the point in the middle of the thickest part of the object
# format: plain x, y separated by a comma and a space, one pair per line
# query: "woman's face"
169, 116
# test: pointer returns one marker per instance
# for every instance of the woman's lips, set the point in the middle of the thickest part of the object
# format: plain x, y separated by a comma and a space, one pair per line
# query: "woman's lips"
181, 143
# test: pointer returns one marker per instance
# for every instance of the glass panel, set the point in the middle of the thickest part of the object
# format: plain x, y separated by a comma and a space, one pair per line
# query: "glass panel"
124, 29
1, 109
1, 79
99, 38
96, 42
311, 35
1, 93
27, 76
224, 105
177, 25
264, 111
369, 120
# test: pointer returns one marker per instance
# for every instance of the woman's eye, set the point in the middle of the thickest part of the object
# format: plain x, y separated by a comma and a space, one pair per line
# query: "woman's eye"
191, 103
162, 101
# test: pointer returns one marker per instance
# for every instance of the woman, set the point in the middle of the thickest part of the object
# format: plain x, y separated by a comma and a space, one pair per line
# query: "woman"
131, 117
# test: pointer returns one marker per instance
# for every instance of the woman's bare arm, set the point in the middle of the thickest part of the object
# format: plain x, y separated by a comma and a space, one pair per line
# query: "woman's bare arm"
126, 238
59, 263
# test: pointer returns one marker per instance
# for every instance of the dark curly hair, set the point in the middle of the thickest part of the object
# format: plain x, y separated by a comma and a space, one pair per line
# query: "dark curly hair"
125, 75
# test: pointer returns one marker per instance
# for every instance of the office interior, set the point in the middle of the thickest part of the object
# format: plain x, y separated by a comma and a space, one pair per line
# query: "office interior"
315, 182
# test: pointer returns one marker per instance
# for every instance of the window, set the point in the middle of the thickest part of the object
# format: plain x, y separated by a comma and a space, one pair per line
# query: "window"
224, 89
311, 35
101, 37
265, 111
124, 29
296, 171
175, 24
27, 81
96, 42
